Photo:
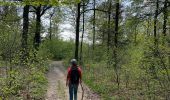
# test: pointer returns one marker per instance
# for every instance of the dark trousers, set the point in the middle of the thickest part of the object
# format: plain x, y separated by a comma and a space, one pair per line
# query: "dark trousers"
73, 91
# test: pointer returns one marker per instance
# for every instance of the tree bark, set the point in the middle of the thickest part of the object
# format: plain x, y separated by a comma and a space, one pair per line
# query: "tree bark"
155, 23
148, 27
116, 43
50, 28
50, 31
165, 17
135, 38
94, 30
77, 31
24, 39
37, 38
25, 27
39, 10
82, 37
109, 30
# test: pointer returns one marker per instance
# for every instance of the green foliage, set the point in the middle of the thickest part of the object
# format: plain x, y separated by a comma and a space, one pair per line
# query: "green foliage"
138, 68
143, 71
25, 79
9, 39
58, 49
39, 2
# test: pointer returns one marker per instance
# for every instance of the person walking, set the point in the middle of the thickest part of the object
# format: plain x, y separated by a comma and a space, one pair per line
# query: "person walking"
74, 78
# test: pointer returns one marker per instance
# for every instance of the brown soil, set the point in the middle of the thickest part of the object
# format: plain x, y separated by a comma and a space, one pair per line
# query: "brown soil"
57, 89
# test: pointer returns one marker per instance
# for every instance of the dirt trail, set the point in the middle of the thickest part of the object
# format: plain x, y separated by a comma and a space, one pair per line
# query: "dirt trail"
56, 85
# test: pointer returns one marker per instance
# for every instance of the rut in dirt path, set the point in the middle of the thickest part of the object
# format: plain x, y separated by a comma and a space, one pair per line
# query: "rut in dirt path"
56, 85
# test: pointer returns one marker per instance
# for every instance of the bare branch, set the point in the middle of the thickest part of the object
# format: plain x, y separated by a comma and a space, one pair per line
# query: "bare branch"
94, 9
45, 8
34, 7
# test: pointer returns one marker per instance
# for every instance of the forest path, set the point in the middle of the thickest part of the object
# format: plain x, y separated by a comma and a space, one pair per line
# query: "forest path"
57, 89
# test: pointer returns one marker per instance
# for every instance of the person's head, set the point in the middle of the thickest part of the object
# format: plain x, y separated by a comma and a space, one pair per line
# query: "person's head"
74, 62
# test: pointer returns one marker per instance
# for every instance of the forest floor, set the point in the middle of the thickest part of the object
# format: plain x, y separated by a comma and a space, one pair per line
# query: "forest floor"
57, 89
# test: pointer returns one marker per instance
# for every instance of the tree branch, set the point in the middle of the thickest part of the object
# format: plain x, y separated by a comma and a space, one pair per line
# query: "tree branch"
45, 8
32, 11
34, 7
94, 9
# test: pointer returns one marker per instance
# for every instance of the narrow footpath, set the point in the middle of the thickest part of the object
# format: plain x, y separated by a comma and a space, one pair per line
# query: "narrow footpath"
57, 89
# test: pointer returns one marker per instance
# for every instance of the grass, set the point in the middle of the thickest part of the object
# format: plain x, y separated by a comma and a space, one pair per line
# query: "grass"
60, 91
102, 81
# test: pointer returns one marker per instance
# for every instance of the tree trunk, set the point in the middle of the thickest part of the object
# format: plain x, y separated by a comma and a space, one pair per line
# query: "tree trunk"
103, 37
50, 28
148, 27
116, 43
109, 30
135, 38
77, 32
50, 31
82, 37
94, 30
165, 17
37, 38
169, 46
164, 35
25, 27
155, 23
116, 24
25, 32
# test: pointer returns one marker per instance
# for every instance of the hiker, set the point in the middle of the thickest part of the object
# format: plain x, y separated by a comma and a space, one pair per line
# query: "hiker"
74, 77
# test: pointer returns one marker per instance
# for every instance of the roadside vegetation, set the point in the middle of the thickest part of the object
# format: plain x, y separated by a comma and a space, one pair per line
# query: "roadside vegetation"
123, 46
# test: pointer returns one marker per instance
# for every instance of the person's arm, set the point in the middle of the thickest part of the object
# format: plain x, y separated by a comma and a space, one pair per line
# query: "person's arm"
68, 77
80, 72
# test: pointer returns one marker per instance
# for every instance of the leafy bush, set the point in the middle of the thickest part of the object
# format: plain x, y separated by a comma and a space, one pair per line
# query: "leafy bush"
25, 80
58, 49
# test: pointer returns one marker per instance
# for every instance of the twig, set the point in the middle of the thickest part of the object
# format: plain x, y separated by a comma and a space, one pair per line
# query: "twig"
82, 91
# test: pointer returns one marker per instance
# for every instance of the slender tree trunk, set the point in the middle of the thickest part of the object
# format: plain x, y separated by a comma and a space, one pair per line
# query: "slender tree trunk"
82, 37
155, 39
165, 17
156, 53
25, 26
109, 32
169, 57
50, 28
25, 32
37, 38
155, 23
50, 31
116, 24
169, 46
155, 35
164, 35
77, 32
148, 27
103, 37
94, 22
109, 29
135, 40
116, 42
39, 10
